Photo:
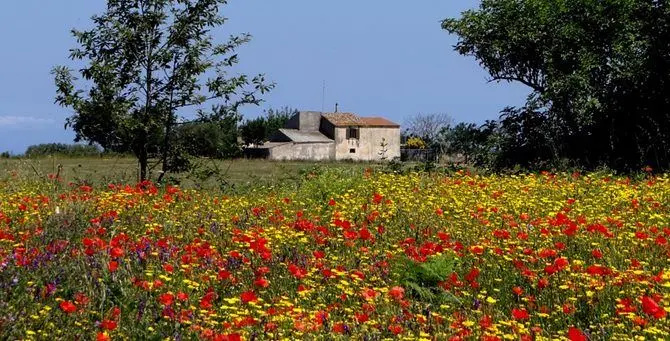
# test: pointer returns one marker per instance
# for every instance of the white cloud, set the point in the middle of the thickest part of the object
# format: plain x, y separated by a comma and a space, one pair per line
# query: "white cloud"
23, 121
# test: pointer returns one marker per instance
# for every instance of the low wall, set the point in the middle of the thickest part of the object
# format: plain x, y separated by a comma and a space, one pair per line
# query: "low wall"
303, 151
417, 155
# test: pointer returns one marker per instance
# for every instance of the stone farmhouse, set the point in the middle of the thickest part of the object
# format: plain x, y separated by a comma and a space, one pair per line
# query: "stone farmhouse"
311, 135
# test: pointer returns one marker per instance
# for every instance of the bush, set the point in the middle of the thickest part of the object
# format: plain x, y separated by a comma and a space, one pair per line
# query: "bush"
62, 149
416, 143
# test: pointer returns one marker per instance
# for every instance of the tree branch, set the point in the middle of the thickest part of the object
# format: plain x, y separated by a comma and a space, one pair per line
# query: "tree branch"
517, 79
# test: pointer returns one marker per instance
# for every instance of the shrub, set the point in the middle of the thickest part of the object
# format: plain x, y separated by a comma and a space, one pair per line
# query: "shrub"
62, 149
416, 143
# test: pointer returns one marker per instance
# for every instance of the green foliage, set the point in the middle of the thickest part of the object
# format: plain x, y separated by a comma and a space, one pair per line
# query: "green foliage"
422, 279
598, 76
62, 149
254, 131
259, 130
216, 139
467, 142
144, 62
5, 155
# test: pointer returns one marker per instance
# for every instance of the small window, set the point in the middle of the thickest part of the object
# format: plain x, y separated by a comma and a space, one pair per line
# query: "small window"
352, 151
352, 133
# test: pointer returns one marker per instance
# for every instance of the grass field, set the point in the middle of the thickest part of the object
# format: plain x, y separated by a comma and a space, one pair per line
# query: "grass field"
240, 172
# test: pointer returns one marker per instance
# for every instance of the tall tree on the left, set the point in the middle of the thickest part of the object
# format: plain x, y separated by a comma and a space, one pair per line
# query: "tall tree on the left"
144, 61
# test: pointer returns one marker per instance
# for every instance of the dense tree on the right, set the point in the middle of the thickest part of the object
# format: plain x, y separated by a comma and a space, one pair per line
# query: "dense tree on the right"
598, 72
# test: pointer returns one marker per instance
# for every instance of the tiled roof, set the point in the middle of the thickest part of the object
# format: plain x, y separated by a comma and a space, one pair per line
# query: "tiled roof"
343, 119
301, 136
349, 119
378, 122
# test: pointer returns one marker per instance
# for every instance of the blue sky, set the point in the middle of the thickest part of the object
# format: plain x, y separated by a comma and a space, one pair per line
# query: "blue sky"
378, 58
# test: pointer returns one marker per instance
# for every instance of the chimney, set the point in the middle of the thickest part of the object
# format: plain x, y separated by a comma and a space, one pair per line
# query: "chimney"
336, 105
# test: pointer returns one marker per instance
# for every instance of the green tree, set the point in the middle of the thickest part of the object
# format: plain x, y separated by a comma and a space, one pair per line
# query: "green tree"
215, 139
463, 139
598, 73
260, 129
255, 131
144, 62
277, 118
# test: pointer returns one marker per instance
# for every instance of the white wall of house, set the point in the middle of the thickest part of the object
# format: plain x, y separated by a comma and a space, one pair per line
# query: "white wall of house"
368, 145
303, 151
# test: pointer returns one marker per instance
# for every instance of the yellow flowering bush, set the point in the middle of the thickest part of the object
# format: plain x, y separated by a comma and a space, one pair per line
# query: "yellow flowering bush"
416, 143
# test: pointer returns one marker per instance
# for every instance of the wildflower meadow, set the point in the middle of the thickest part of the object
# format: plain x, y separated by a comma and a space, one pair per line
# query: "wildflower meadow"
361, 255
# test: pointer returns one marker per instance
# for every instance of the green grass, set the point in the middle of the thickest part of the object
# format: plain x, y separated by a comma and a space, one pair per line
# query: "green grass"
207, 173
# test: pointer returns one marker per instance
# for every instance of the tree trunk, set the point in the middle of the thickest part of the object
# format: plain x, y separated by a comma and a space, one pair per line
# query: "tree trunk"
166, 144
144, 164
143, 157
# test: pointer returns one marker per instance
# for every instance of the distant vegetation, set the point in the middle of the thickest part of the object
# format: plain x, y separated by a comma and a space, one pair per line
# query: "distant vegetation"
259, 130
62, 149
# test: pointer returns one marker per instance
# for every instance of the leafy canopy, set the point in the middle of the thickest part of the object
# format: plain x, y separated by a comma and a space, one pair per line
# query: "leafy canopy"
145, 62
598, 72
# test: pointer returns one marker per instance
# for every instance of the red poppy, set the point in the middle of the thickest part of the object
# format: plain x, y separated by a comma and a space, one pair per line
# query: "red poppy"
362, 317
108, 324
339, 328
102, 336
116, 252
652, 308
397, 293
472, 275
297, 271
597, 254
547, 253
81, 299
261, 282
68, 307
369, 294
571, 230
575, 334
364, 234
599, 270
166, 299
377, 199
520, 314
395, 329
223, 275
321, 317
561, 263
640, 321
206, 301
182, 296
248, 296
486, 322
